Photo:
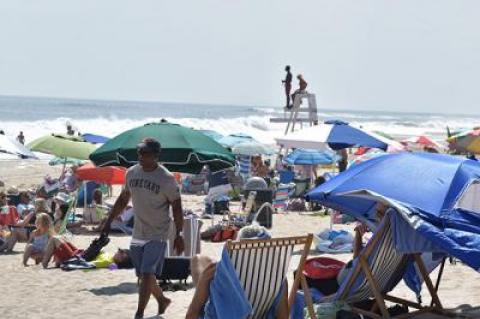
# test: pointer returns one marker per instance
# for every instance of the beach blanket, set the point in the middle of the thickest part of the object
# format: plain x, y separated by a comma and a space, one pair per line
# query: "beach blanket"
333, 242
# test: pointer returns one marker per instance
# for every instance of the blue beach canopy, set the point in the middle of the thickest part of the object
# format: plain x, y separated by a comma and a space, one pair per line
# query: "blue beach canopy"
440, 191
95, 139
302, 156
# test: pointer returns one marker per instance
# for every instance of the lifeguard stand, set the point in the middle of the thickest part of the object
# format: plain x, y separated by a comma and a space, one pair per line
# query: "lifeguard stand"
299, 107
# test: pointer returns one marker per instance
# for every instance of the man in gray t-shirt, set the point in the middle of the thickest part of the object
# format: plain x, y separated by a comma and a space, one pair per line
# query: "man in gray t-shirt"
153, 191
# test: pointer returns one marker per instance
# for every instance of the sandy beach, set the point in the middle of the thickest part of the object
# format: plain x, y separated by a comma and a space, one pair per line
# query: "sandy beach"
37, 293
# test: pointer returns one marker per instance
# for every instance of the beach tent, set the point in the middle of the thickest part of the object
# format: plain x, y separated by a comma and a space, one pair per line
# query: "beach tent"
302, 156
63, 146
183, 149
11, 146
95, 139
111, 175
234, 139
468, 141
336, 135
252, 148
441, 193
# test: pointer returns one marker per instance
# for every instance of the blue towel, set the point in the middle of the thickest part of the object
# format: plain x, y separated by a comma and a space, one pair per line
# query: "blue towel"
227, 297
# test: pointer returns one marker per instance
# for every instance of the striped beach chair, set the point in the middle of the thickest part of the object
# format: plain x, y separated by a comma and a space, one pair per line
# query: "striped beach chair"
280, 201
376, 271
262, 265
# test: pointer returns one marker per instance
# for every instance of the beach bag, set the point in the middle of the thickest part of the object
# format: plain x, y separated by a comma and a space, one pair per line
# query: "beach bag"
95, 247
175, 268
76, 263
227, 232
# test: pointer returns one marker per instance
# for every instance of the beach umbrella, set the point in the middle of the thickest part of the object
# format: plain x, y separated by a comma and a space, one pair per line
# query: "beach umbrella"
468, 141
111, 175
302, 156
65, 161
336, 135
431, 183
365, 157
95, 139
11, 146
252, 148
422, 141
212, 134
441, 190
234, 139
183, 149
63, 146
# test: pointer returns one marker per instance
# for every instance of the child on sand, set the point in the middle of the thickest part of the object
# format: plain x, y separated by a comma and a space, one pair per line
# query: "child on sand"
38, 239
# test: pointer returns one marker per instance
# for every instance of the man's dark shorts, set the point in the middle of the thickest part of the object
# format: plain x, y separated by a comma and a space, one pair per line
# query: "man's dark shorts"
149, 258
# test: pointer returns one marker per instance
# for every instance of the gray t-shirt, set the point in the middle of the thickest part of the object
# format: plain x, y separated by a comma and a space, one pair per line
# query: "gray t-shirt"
152, 193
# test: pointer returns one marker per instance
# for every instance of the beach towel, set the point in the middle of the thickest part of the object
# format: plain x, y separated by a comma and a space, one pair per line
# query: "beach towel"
226, 293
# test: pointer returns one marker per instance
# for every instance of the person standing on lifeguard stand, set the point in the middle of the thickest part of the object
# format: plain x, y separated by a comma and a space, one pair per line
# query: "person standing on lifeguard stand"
288, 85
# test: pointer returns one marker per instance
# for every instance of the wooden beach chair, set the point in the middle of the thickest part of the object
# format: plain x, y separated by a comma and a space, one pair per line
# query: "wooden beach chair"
262, 266
376, 271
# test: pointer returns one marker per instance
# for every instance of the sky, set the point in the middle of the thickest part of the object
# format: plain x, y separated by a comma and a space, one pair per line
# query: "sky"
408, 55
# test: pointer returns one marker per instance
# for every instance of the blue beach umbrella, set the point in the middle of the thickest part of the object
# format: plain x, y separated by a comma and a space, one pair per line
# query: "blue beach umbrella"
303, 156
439, 189
95, 139
337, 135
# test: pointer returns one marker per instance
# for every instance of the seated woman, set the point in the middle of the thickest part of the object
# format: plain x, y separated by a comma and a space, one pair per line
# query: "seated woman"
10, 219
38, 239
203, 270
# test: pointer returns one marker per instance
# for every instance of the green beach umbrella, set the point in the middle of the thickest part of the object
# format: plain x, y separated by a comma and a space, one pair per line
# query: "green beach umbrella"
183, 149
63, 146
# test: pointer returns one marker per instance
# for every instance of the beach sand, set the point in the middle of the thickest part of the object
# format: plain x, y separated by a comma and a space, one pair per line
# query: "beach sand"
32, 292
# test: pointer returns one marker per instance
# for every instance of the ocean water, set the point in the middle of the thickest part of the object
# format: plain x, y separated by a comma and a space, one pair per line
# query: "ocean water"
40, 116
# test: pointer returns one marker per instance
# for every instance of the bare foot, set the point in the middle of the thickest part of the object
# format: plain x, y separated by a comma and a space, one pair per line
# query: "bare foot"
164, 305
138, 316
25, 264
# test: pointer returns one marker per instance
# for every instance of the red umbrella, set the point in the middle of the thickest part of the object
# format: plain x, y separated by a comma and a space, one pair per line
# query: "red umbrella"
103, 175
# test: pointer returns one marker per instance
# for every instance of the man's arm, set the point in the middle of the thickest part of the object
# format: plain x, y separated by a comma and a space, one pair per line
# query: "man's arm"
178, 243
118, 207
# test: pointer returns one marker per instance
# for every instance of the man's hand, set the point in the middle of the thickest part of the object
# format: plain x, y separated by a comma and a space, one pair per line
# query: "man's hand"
179, 244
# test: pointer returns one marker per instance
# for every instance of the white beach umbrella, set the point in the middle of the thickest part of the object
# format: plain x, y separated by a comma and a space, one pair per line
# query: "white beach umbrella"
10, 146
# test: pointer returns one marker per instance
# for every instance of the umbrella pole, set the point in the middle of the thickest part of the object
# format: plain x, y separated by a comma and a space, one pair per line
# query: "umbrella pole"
84, 195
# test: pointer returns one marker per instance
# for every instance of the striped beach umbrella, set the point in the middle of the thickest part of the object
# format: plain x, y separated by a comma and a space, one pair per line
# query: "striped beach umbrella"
468, 141
336, 135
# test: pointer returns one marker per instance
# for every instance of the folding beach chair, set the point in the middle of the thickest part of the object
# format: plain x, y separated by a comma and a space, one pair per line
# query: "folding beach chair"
69, 216
301, 187
376, 271
280, 201
262, 265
